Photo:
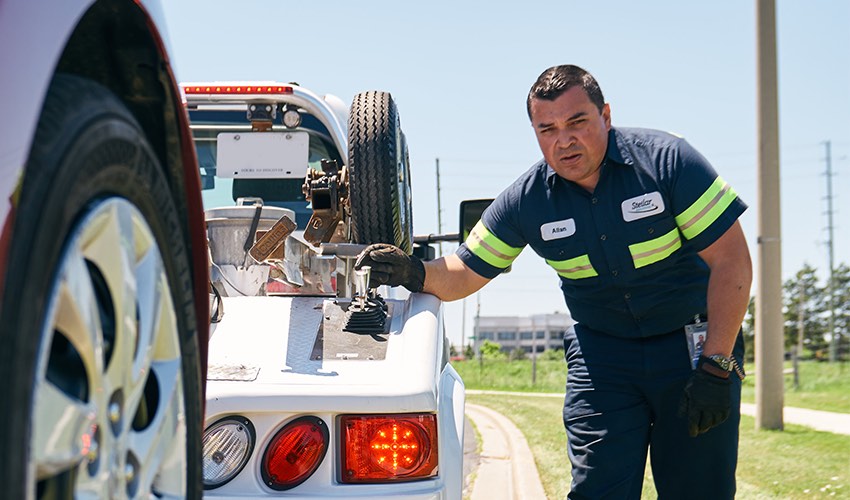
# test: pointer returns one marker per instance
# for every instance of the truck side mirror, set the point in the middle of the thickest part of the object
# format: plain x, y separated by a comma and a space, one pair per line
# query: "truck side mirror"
470, 214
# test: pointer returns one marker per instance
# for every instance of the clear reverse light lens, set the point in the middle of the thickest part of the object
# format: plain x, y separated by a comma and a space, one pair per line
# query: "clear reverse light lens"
228, 444
291, 118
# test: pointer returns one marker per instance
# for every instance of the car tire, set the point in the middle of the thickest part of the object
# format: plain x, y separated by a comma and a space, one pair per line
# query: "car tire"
100, 362
379, 171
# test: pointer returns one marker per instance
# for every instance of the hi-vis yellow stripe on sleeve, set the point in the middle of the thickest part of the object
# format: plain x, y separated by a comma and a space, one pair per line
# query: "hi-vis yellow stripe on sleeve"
574, 269
649, 252
707, 209
490, 249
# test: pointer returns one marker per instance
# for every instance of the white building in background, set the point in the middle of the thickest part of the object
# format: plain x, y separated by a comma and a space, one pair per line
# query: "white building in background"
530, 333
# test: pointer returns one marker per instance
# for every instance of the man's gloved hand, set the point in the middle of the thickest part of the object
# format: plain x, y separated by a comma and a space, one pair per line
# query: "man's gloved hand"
392, 266
706, 401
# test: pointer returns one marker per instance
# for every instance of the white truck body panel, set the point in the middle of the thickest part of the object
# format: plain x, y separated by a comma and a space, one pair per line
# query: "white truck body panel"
261, 368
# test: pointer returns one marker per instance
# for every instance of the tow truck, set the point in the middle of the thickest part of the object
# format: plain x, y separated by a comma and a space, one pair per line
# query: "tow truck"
318, 386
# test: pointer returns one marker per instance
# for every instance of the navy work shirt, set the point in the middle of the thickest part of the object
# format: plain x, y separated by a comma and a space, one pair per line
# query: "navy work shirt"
626, 254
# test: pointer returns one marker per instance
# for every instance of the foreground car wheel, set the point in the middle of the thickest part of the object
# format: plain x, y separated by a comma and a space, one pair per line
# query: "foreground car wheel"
379, 167
98, 328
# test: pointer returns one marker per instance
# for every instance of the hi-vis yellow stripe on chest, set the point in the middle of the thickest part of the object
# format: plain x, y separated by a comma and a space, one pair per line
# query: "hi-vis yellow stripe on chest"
574, 269
656, 249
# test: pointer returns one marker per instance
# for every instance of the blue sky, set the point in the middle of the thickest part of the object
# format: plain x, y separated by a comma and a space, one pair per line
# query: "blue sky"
459, 72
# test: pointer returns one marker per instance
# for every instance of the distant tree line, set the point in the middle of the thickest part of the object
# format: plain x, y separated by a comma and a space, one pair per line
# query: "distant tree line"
806, 311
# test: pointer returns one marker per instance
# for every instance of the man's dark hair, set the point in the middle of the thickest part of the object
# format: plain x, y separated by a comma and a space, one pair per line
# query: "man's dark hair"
558, 79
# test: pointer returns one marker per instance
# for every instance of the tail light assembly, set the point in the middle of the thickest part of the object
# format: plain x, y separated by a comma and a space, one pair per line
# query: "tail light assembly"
227, 446
388, 448
294, 453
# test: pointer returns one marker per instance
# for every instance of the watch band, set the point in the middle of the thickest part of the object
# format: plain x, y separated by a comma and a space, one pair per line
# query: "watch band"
720, 365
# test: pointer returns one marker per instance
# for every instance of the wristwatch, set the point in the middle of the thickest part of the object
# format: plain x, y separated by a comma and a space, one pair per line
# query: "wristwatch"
724, 363
720, 364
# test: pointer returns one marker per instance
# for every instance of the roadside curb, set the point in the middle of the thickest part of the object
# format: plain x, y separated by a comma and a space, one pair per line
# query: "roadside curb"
507, 468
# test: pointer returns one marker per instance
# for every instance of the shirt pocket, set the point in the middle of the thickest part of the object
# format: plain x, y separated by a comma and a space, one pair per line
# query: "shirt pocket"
569, 258
653, 242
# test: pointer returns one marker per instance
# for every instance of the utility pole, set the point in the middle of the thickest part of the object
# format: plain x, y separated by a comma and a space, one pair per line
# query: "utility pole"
833, 338
801, 326
439, 210
769, 327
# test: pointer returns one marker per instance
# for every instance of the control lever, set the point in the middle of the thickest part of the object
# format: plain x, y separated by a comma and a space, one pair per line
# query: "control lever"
367, 312
273, 238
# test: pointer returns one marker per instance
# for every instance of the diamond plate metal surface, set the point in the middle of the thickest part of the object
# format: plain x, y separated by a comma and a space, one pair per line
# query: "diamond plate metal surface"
333, 343
304, 319
237, 373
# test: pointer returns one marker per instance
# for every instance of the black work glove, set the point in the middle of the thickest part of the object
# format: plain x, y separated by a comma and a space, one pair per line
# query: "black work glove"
392, 266
706, 401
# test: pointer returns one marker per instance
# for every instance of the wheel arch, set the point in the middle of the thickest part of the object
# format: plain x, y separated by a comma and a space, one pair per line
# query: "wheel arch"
117, 44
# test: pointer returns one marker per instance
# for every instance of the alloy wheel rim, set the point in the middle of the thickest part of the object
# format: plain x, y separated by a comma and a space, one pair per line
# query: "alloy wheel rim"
108, 408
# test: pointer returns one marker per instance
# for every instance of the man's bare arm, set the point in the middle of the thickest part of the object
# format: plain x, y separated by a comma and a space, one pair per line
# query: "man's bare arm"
728, 289
450, 279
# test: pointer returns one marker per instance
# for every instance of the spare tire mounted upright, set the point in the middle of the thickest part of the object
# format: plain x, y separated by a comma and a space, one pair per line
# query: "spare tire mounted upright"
379, 170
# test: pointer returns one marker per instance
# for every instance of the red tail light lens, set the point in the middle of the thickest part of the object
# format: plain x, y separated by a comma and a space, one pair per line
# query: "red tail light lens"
295, 453
388, 448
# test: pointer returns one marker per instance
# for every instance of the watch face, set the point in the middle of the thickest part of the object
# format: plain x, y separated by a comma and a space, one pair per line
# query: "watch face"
724, 362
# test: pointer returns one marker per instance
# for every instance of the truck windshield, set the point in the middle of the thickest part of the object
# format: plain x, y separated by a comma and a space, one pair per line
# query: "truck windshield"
220, 191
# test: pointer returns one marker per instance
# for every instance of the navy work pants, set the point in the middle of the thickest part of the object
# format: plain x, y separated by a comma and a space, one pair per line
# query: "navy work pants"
622, 399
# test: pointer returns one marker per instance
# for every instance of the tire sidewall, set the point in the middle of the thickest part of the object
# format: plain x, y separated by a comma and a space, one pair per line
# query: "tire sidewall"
83, 152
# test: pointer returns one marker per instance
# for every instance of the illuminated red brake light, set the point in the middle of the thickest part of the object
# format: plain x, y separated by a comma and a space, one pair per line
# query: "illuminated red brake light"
388, 448
295, 452
237, 89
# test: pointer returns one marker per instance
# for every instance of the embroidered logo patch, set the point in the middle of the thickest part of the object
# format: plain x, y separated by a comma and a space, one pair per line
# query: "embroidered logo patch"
558, 229
645, 205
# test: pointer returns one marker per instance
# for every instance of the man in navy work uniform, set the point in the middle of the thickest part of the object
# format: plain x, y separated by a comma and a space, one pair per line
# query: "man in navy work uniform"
645, 238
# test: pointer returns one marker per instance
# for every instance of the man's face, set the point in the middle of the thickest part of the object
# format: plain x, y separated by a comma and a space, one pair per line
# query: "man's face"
572, 134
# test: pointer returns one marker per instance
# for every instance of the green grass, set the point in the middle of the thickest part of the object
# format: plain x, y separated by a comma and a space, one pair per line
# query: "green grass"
513, 375
795, 463
823, 386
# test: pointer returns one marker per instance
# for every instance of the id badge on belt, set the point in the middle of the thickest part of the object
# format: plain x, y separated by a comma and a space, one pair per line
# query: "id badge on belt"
695, 334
